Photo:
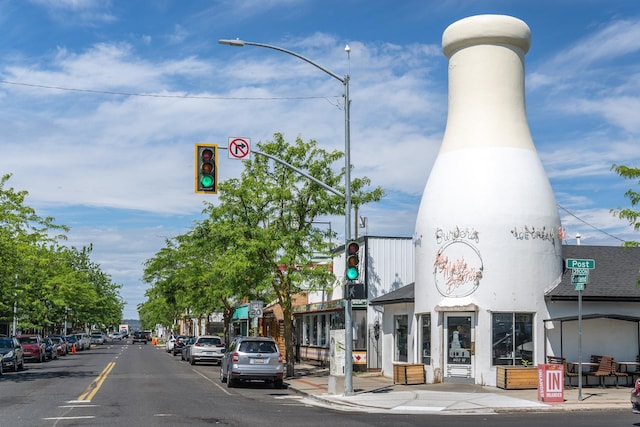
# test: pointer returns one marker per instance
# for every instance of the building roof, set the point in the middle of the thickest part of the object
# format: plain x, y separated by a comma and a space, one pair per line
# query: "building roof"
401, 295
614, 278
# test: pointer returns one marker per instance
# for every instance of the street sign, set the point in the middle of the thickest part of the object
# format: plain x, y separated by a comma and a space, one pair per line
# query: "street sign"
239, 148
579, 278
255, 309
581, 263
579, 286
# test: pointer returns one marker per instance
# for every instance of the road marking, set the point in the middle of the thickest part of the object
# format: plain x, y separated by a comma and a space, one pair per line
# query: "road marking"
70, 418
212, 382
95, 385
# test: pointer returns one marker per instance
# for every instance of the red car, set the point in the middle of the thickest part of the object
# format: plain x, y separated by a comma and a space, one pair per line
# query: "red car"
33, 347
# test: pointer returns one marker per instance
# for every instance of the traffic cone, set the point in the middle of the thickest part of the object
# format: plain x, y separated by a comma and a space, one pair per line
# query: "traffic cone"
73, 349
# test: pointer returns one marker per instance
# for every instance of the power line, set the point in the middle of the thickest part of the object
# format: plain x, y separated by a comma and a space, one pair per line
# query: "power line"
590, 225
153, 95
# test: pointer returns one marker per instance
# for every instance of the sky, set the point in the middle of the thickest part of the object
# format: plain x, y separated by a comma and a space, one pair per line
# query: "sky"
102, 102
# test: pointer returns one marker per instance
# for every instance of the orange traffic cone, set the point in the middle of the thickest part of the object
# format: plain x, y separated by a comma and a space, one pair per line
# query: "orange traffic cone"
73, 349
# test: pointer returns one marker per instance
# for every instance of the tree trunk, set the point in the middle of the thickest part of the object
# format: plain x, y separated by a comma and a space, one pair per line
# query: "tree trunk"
288, 337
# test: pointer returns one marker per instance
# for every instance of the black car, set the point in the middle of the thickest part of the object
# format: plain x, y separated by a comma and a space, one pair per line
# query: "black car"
11, 353
139, 336
180, 342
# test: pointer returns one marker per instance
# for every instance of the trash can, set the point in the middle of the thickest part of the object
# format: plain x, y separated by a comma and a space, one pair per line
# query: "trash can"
550, 383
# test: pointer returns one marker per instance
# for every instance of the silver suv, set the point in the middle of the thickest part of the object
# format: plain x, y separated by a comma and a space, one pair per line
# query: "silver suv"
252, 358
206, 348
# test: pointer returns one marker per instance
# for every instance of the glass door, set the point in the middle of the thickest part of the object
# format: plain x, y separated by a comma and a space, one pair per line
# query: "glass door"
460, 338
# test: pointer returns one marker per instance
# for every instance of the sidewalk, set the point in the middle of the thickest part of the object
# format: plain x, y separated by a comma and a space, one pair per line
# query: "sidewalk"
375, 393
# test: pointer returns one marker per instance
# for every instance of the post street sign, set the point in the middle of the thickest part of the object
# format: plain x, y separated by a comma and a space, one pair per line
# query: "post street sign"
581, 263
579, 287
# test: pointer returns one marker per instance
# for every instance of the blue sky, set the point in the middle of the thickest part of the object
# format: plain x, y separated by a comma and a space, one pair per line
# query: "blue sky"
118, 167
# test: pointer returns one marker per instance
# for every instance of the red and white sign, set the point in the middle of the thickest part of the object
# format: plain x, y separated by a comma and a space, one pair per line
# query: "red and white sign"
239, 148
550, 383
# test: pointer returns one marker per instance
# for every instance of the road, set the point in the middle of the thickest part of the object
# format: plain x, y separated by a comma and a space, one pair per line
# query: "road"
121, 384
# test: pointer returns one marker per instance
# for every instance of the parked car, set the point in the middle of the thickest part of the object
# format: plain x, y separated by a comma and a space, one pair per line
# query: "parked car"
51, 349
84, 341
185, 351
61, 344
168, 346
252, 358
178, 343
72, 340
117, 336
206, 348
66, 345
635, 398
33, 347
138, 336
97, 338
12, 353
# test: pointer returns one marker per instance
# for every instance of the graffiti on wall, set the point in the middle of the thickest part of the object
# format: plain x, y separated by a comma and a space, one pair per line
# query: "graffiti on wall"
457, 267
541, 233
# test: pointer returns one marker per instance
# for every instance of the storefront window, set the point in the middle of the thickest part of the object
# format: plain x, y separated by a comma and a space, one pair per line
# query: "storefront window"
322, 329
512, 340
315, 329
401, 333
359, 331
425, 338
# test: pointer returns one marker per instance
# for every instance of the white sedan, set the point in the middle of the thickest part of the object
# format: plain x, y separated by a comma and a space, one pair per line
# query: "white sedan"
170, 343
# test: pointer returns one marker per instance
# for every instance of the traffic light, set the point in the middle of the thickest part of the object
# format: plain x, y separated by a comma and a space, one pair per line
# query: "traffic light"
206, 173
353, 260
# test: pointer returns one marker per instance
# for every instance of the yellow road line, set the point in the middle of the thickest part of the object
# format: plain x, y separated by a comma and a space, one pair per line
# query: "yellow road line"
96, 384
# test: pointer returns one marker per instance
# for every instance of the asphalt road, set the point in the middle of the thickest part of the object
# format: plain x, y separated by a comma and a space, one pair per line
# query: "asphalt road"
120, 385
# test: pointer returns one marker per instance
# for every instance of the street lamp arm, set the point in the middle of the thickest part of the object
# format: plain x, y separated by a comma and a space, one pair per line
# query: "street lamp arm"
241, 43
303, 173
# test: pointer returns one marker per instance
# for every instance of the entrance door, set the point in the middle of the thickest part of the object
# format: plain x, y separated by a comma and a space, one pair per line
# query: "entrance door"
460, 339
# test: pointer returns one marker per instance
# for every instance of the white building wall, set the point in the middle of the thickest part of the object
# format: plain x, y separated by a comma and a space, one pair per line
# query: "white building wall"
488, 228
597, 334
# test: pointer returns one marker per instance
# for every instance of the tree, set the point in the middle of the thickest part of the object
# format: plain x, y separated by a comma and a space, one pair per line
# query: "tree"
47, 281
272, 210
630, 214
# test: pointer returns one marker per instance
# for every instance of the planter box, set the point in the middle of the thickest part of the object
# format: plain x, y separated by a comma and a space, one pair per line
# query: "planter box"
408, 373
516, 377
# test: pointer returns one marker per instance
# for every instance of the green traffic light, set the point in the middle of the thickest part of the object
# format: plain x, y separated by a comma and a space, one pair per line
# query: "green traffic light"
206, 181
352, 273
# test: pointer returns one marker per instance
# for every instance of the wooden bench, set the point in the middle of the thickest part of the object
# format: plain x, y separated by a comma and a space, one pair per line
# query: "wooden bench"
604, 369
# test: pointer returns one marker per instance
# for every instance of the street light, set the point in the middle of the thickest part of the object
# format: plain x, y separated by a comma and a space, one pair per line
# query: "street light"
348, 369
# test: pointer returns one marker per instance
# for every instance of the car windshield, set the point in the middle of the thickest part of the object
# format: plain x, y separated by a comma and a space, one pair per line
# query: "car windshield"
6, 343
210, 341
257, 347
28, 340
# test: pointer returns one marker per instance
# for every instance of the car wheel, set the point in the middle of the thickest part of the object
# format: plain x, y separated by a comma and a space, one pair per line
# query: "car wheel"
223, 379
278, 383
21, 366
230, 381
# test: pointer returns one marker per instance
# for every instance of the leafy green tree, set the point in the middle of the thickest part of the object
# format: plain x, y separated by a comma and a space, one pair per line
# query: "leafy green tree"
629, 214
272, 210
48, 282
259, 242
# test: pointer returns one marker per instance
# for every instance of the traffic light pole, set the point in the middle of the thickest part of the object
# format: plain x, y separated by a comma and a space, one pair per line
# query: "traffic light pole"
348, 369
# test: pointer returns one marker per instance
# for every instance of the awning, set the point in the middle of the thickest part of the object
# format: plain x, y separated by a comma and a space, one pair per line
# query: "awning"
241, 313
